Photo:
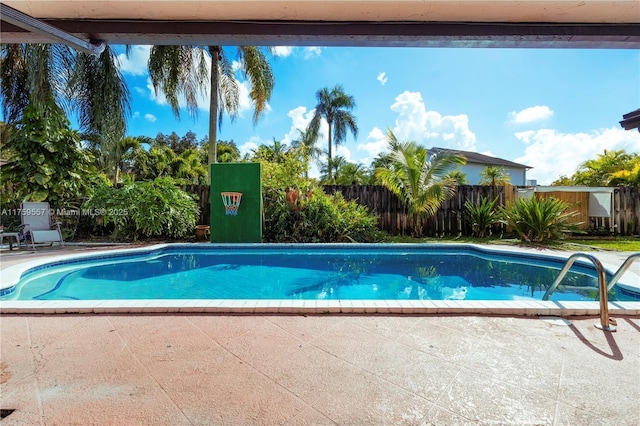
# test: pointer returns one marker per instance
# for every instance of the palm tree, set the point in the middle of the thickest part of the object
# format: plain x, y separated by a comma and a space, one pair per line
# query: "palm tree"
91, 87
418, 178
275, 153
459, 176
183, 71
494, 176
190, 169
227, 152
109, 156
334, 106
383, 160
352, 174
330, 172
307, 145
600, 171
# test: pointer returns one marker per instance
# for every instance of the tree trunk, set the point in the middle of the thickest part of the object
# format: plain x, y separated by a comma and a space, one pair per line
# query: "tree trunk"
329, 165
213, 104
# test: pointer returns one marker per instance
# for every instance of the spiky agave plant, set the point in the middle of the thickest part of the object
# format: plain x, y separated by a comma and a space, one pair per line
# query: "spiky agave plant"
539, 220
482, 215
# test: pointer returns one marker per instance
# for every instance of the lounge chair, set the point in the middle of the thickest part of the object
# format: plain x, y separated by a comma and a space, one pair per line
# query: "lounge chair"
37, 225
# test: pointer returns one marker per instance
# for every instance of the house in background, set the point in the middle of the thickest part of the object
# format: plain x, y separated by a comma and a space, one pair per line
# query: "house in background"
476, 163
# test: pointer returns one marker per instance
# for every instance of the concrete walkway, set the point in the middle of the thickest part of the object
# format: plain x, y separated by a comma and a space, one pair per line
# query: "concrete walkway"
317, 370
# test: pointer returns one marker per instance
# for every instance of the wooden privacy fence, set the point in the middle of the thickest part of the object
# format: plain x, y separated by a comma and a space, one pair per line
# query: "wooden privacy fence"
626, 208
450, 218
392, 213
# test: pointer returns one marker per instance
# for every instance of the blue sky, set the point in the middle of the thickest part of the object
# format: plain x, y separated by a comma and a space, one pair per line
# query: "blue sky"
548, 109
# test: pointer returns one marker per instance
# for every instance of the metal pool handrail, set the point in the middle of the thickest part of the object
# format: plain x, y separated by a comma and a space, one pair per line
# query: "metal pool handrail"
605, 323
622, 270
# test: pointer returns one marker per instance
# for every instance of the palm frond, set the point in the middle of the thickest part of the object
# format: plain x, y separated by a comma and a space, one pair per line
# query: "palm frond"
258, 71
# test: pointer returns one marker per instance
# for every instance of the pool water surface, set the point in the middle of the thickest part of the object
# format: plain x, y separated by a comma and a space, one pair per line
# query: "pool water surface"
313, 272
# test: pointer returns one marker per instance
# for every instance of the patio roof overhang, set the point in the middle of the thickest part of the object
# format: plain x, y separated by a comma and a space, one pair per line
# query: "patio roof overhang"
437, 23
631, 120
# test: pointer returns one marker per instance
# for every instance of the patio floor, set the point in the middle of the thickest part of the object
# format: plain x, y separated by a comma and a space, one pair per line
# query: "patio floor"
194, 369
317, 370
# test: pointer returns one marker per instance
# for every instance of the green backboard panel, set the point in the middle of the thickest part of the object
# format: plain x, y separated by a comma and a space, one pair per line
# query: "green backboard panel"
246, 225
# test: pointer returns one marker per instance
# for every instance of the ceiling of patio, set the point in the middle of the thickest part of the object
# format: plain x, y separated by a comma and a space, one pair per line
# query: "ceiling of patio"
438, 23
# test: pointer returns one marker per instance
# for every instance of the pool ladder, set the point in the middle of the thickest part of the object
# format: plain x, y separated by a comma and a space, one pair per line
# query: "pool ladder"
606, 323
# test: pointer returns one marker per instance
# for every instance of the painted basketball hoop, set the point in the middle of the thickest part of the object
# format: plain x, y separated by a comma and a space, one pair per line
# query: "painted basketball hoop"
231, 202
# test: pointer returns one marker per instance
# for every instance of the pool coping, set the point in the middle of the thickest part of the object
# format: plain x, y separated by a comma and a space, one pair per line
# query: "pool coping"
276, 306
12, 274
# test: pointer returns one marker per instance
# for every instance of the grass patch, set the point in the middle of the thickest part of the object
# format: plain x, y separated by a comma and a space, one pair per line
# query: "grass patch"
570, 244
604, 243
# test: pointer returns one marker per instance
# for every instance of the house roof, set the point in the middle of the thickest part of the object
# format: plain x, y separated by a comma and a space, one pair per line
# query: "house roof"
631, 120
477, 158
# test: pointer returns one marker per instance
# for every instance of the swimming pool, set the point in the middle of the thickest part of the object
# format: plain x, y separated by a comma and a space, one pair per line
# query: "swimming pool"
323, 272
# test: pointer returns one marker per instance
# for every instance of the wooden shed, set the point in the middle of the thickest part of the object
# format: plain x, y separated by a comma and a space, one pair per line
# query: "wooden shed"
594, 205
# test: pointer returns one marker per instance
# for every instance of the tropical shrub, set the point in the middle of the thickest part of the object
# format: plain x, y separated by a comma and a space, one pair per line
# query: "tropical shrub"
315, 217
47, 162
482, 216
538, 220
156, 208
295, 210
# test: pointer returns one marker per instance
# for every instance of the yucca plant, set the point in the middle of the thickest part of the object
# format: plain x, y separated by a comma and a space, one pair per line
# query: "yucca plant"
482, 216
539, 220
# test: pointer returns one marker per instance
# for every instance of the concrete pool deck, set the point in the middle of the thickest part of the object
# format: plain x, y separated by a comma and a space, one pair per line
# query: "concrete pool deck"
229, 369
317, 370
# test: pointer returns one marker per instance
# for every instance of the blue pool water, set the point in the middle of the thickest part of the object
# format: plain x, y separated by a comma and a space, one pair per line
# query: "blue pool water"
360, 272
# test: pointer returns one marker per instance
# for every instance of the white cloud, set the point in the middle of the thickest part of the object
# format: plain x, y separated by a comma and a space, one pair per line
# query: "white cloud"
382, 78
136, 63
245, 103
553, 154
150, 118
252, 144
529, 115
158, 98
300, 119
311, 51
343, 151
236, 65
282, 51
136, 114
430, 128
140, 90
377, 144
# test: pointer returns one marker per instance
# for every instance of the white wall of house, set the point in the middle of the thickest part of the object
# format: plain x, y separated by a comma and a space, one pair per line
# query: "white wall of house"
518, 176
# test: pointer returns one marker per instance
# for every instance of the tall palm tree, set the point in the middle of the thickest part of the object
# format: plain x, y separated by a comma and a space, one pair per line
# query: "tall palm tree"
183, 71
419, 178
335, 106
91, 87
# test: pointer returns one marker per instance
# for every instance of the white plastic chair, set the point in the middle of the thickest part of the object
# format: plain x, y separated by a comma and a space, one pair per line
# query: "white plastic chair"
36, 222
